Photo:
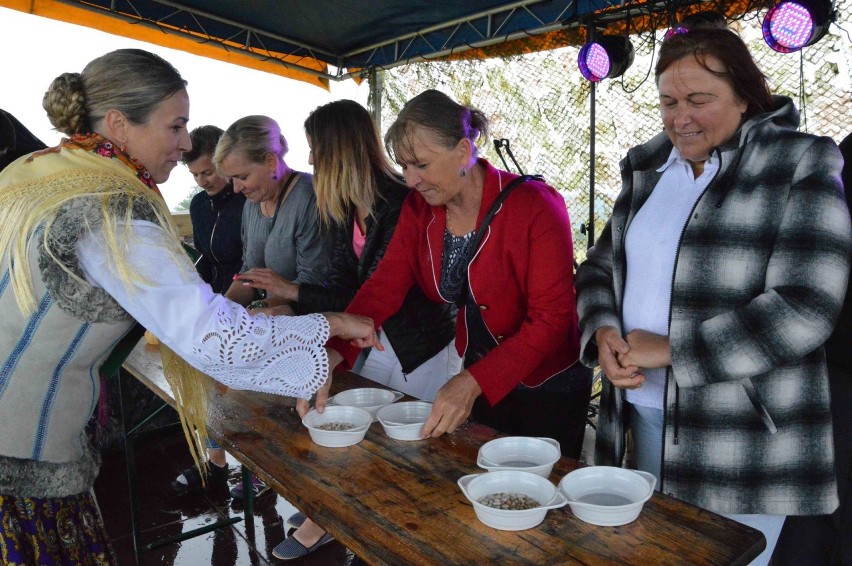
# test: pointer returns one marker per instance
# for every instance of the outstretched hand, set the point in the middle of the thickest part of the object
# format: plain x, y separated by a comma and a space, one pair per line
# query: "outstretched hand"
355, 328
304, 405
612, 350
452, 405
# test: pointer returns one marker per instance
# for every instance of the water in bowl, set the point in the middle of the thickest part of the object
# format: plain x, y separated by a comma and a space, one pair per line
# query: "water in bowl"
518, 464
606, 499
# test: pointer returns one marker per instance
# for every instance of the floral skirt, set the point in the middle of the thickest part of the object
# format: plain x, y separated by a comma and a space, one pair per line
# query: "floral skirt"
53, 531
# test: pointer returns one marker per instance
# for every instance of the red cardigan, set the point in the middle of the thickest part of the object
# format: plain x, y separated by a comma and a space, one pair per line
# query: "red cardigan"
522, 278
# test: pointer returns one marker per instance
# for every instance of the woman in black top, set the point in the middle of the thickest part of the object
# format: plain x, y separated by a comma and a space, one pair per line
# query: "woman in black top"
216, 213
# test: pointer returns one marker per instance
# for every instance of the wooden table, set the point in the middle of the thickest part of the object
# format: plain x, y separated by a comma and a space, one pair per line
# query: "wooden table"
395, 502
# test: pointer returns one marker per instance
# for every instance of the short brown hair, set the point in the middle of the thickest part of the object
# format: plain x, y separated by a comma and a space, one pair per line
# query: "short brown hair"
740, 70
204, 140
449, 121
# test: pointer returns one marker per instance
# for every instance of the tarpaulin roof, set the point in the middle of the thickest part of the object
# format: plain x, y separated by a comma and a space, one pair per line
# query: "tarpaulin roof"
318, 40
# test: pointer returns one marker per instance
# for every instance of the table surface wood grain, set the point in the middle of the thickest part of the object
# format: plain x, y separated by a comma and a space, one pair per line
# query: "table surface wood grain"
395, 502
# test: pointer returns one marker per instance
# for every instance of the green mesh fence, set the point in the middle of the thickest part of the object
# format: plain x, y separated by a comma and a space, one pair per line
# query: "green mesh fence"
541, 104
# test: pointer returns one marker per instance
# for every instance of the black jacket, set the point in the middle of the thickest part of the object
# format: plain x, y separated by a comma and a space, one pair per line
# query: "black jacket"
421, 328
216, 225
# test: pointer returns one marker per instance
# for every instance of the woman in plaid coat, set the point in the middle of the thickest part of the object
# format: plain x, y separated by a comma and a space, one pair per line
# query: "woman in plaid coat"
711, 291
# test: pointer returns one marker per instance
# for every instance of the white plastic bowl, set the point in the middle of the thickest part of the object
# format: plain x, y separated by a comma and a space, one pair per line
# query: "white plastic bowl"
476, 486
524, 453
371, 399
360, 418
607, 496
404, 421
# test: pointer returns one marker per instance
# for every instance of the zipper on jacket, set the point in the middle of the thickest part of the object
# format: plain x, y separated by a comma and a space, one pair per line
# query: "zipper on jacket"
676, 411
218, 263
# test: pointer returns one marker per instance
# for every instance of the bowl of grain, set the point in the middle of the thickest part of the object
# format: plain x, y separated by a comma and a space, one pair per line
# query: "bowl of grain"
511, 500
338, 425
606, 495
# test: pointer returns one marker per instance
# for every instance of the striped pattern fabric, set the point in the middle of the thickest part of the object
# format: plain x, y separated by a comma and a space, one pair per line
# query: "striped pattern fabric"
48, 375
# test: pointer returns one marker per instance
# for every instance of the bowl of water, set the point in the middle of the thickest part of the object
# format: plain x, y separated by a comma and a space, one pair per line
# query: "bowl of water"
525, 453
607, 496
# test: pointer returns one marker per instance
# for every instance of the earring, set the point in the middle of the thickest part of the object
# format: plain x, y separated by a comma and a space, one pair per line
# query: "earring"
274, 177
462, 172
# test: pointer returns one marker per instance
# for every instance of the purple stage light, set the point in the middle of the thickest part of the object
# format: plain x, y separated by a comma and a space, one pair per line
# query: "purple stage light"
607, 57
593, 62
791, 25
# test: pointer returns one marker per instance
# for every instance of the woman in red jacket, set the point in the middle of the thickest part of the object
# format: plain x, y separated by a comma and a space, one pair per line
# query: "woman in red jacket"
517, 325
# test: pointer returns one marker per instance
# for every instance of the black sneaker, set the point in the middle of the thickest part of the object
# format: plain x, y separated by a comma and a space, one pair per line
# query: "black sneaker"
189, 480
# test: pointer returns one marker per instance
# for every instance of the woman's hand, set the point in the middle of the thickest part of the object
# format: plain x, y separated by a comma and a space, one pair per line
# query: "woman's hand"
356, 328
452, 405
647, 350
304, 405
266, 279
611, 350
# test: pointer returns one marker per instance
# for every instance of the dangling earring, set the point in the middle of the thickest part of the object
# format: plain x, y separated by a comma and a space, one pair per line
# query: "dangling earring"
274, 177
462, 172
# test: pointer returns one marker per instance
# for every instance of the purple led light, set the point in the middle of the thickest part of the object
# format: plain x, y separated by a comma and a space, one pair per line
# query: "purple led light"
788, 27
594, 62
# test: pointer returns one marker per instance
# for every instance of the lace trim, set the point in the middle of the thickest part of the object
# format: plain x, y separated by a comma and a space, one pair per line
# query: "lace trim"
280, 354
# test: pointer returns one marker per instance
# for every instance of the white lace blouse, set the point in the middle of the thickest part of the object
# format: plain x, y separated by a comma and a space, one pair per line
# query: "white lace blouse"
281, 354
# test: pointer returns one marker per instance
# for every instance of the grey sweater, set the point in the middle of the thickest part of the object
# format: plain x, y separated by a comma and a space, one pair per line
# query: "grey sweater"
292, 243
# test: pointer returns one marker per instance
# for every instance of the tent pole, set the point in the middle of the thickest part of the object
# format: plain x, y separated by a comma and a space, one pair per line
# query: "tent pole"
374, 78
591, 226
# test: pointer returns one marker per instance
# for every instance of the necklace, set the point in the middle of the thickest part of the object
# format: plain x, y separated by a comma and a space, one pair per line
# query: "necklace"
450, 225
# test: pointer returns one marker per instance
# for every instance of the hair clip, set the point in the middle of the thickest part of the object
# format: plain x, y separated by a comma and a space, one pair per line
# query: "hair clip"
677, 30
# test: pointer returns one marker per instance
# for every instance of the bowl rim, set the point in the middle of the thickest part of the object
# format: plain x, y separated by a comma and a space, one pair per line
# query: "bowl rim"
395, 396
483, 462
381, 414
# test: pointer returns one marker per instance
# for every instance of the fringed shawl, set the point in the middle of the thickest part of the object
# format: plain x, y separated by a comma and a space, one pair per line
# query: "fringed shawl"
35, 188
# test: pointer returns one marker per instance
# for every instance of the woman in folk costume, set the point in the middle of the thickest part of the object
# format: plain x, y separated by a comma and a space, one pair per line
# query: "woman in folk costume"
86, 246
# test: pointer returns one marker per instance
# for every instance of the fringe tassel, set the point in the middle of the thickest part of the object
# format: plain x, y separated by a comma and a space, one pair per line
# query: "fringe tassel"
189, 387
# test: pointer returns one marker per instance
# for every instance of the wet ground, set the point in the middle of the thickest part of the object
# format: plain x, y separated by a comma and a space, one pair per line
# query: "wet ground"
160, 457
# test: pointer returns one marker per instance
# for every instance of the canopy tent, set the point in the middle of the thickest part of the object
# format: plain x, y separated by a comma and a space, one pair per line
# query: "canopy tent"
321, 40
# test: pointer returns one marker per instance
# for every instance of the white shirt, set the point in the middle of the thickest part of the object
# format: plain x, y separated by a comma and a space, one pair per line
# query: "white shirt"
283, 355
651, 246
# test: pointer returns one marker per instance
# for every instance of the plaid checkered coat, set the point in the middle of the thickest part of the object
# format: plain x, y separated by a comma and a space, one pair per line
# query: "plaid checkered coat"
759, 280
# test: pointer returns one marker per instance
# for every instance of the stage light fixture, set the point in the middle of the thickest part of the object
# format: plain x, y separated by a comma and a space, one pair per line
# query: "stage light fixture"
606, 57
791, 25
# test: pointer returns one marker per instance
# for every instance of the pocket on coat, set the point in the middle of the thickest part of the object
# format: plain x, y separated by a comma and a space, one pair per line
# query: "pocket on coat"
758, 405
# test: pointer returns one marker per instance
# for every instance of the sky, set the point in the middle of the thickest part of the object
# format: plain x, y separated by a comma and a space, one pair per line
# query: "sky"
36, 50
